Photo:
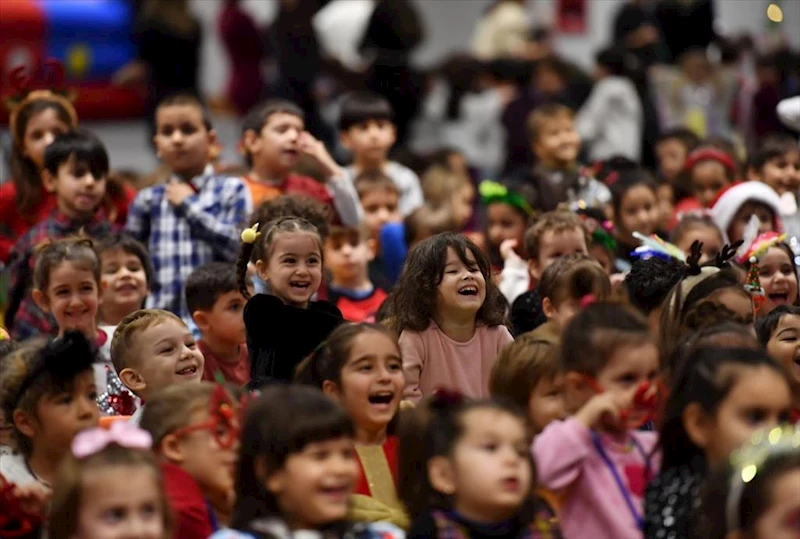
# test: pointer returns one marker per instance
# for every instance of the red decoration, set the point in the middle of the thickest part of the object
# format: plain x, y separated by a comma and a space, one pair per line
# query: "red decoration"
571, 16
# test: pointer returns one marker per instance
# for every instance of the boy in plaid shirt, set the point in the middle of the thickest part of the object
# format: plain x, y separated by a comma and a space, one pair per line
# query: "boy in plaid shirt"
195, 217
75, 169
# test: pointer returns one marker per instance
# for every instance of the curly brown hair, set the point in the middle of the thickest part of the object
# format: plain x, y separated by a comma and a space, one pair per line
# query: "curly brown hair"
413, 301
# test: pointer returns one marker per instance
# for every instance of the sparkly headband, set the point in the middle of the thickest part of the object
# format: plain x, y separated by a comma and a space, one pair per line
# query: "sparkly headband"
497, 192
748, 459
44, 84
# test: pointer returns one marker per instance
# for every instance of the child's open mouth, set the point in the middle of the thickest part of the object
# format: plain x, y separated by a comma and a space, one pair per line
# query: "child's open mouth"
189, 370
336, 493
511, 484
779, 298
469, 290
381, 398
300, 286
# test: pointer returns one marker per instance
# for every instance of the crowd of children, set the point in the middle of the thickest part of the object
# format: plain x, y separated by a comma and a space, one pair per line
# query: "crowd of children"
569, 352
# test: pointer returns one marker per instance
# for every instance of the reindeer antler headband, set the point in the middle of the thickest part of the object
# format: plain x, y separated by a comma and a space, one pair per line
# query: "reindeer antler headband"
43, 84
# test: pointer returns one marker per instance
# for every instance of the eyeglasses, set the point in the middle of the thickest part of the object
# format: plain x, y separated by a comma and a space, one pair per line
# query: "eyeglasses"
224, 423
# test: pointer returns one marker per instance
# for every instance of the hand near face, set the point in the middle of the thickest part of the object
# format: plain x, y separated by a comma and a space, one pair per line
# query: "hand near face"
309, 145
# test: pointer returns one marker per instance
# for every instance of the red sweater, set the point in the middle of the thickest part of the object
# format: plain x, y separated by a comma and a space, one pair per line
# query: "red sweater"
14, 225
192, 519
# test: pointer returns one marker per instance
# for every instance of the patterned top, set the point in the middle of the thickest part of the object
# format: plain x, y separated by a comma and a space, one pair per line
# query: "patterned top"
23, 316
203, 228
670, 500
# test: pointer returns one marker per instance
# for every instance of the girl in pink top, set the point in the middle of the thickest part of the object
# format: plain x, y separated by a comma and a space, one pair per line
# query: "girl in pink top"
596, 460
450, 318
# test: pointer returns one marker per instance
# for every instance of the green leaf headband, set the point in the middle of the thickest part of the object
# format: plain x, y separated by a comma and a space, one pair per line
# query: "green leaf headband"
748, 460
497, 192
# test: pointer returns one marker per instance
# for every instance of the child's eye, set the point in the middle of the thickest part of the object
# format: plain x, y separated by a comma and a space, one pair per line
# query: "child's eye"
289, 260
313, 260
365, 368
755, 416
114, 515
64, 399
167, 350
491, 447
149, 509
395, 366
134, 268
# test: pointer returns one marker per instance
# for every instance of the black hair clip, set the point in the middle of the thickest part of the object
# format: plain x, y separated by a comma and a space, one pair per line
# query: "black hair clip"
727, 253
63, 359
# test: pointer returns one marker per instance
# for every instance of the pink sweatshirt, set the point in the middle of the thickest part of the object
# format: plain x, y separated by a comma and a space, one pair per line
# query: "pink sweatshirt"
432, 360
594, 507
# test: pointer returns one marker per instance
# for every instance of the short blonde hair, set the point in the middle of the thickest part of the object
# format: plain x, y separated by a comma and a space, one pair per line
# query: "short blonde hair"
172, 408
552, 221
521, 365
127, 332
541, 115
439, 185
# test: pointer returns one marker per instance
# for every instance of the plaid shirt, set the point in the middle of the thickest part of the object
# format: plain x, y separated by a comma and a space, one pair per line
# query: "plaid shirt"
203, 228
28, 320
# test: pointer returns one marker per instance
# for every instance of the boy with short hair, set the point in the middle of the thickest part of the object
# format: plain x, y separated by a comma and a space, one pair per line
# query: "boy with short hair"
194, 218
553, 235
366, 129
153, 349
557, 176
380, 200
75, 169
347, 256
776, 162
217, 307
273, 140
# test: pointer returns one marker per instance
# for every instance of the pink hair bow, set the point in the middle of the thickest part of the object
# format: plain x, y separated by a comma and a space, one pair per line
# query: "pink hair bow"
122, 433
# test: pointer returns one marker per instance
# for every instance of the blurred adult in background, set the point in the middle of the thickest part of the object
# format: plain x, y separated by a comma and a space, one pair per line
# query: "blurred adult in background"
394, 31
167, 37
636, 29
685, 25
503, 30
244, 45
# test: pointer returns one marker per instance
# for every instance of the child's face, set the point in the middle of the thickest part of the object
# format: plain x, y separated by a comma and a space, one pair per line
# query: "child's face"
182, 140
347, 259
759, 400
122, 280
313, 487
671, 156
463, 201
782, 173
782, 517
78, 192
225, 321
778, 279
603, 257
784, 345
380, 207
294, 268
370, 141
71, 297
121, 502
708, 235
62, 415
558, 142
491, 471
167, 354
708, 178
372, 382
202, 457
638, 212
504, 222
666, 205
554, 244
41, 131
765, 217
275, 147
546, 403
462, 290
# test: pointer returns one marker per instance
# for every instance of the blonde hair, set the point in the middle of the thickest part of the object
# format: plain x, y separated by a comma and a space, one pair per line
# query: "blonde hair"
68, 493
552, 221
439, 185
125, 336
543, 114
172, 408
521, 365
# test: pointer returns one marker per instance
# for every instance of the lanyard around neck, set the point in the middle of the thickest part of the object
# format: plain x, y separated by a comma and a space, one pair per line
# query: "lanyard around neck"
626, 493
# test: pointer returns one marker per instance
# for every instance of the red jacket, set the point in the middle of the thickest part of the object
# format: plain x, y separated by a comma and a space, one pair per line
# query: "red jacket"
192, 518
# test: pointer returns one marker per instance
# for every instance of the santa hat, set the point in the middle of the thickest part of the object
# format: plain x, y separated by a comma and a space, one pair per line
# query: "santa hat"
730, 199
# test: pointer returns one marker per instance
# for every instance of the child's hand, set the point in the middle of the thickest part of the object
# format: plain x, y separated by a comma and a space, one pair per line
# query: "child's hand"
177, 192
33, 498
600, 406
316, 149
507, 249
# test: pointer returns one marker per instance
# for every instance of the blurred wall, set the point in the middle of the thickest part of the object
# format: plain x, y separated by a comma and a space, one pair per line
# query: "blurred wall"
450, 24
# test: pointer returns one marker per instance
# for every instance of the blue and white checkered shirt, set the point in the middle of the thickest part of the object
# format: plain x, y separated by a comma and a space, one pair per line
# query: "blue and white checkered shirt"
203, 228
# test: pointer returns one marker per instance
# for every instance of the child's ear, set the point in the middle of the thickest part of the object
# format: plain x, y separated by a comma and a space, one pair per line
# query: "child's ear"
276, 483
696, 424
24, 422
261, 271
172, 449
372, 249
132, 380
212, 136
201, 319
547, 307
48, 181
40, 298
250, 141
331, 389
533, 269
441, 475
344, 138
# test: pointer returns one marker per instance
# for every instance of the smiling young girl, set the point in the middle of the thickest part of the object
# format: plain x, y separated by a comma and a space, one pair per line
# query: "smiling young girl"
284, 326
48, 395
297, 470
777, 274
634, 200
449, 316
360, 367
